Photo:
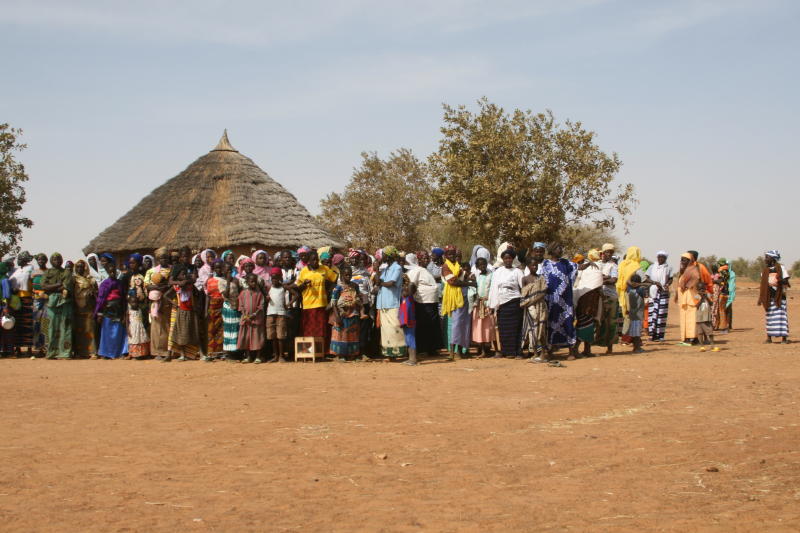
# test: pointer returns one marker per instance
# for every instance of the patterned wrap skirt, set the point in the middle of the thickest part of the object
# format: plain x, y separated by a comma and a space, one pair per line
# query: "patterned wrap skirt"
345, 338
777, 319
230, 324
215, 325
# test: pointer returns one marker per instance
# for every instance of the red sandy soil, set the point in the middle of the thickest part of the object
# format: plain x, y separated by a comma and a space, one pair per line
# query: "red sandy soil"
674, 440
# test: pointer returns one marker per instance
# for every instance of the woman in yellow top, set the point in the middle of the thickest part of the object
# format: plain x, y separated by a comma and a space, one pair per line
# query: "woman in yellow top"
314, 282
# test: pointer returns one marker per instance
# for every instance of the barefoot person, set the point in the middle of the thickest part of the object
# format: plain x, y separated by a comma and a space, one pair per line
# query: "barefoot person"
534, 321
772, 296
504, 300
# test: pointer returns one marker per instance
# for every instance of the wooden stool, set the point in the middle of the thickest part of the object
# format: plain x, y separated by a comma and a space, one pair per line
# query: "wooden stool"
308, 348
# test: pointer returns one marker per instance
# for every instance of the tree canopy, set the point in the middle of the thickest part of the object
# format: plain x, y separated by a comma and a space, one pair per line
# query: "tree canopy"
12, 192
523, 176
386, 202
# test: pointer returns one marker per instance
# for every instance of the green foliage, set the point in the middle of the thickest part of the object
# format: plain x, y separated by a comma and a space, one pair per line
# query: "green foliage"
386, 202
580, 238
747, 269
524, 177
12, 193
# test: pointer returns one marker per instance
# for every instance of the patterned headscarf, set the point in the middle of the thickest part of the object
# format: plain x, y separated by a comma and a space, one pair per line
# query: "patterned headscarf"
773, 253
389, 250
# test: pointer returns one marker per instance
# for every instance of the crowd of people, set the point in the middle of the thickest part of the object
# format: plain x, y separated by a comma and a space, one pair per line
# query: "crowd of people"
523, 304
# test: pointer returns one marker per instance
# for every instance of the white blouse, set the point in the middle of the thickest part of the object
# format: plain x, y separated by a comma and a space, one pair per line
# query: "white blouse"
506, 286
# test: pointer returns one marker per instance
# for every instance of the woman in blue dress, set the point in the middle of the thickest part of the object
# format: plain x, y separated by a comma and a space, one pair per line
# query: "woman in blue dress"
560, 275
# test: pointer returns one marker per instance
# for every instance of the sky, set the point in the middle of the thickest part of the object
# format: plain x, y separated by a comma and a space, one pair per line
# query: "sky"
698, 98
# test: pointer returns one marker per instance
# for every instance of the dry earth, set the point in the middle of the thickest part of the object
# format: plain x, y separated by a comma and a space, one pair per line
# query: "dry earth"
675, 440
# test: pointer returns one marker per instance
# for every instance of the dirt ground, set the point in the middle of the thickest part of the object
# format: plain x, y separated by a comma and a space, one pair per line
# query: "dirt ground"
674, 440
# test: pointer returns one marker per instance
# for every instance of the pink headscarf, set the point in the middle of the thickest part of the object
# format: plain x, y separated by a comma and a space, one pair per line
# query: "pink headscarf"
261, 271
205, 271
243, 260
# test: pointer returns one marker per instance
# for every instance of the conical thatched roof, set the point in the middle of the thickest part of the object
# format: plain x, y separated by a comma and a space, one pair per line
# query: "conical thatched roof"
221, 200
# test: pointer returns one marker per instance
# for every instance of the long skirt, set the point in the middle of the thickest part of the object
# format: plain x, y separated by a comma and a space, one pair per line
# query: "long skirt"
715, 306
216, 330
184, 339
586, 312
230, 325
606, 334
777, 319
315, 324
159, 328
688, 314
429, 328
7, 338
59, 331
460, 326
252, 335
534, 327
560, 323
113, 339
482, 327
40, 323
722, 313
345, 339
658, 310
138, 338
448, 330
23, 329
509, 324
393, 338
83, 326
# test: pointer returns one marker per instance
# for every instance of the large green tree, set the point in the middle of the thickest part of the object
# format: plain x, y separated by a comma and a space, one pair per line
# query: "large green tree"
523, 177
386, 202
12, 192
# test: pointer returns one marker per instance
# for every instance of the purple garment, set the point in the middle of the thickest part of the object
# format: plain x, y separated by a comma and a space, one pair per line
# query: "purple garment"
104, 290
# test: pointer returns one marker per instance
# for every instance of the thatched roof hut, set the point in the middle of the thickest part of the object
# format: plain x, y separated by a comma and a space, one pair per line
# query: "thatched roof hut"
222, 200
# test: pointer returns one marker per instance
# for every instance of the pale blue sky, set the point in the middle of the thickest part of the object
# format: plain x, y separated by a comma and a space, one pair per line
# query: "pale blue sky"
699, 98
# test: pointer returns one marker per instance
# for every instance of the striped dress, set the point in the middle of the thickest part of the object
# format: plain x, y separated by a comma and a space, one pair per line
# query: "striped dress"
230, 318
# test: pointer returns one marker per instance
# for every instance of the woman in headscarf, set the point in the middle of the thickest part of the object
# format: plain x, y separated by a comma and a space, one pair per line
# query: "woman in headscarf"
184, 337
215, 301
106, 258
230, 260
687, 299
313, 282
156, 281
560, 275
22, 280
110, 312
41, 321
148, 261
660, 274
588, 293
505, 293
502, 248
480, 251
772, 296
138, 337
204, 270
85, 299
302, 258
389, 285
262, 268
455, 306
57, 283
628, 267
728, 280
94, 266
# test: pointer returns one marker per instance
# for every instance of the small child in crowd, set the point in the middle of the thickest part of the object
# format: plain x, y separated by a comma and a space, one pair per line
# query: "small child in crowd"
251, 329
280, 301
705, 333
635, 295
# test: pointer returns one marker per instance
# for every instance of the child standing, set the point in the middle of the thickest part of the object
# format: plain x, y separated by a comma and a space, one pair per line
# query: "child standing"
138, 338
280, 301
705, 332
635, 295
251, 331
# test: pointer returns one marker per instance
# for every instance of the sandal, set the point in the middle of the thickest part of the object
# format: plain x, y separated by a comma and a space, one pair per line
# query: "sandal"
556, 364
